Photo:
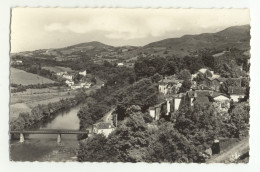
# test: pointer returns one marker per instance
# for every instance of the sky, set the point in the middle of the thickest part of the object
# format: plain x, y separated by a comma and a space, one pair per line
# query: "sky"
43, 28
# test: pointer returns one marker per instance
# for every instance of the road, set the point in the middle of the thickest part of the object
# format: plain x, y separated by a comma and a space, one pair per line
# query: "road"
108, 116
232, 154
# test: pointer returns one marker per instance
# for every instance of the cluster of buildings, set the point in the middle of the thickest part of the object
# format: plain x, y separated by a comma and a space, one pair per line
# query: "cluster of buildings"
69, 79
16, 62
207, 91
170, 85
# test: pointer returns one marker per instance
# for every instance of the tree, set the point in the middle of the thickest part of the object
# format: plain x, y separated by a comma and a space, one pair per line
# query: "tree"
201, 124
239, 120
157, 77
96, 149
130, 139
208, 60
94, 80
186, 85
77, 78
228, 83
184, 75
168, 145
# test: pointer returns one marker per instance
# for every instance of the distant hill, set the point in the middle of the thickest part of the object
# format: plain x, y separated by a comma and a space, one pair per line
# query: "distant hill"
232, 37
235, 36
89, 45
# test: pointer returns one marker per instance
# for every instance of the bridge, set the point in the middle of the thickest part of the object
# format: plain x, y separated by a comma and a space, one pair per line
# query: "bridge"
49, 131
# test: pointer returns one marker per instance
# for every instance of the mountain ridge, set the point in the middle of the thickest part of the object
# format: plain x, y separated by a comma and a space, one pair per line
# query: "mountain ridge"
231, 37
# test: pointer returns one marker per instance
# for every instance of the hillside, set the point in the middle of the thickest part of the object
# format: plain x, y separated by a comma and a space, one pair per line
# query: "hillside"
232, 37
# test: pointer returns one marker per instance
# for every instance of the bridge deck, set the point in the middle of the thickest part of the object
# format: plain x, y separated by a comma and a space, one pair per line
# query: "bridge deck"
50, 132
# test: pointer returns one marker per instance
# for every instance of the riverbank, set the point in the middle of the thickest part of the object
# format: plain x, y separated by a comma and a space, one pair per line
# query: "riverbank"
44, 150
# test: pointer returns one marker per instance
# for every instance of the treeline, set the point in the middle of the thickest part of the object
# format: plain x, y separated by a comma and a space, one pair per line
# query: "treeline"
44, 112
227, 65
21, 88
183, 138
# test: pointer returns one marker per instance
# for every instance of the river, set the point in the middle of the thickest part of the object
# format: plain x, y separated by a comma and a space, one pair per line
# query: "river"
44, 147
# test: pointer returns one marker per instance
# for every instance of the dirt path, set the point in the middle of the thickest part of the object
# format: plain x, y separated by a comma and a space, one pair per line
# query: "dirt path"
233, 153
108, 116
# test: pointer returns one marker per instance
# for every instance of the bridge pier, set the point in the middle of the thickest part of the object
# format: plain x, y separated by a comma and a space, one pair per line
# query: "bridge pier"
21, 138
59, 139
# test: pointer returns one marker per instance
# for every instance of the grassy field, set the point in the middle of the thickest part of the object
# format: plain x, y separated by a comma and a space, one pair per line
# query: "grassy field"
15, 109
25, 78
38, 96
25, 101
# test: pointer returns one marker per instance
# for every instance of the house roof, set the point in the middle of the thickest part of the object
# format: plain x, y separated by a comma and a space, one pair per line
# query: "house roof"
199, 87
221, 97
216, 76
203, 99
217, 79
170, 81
236, 90
180, 95
221, 79
104, 125
203, 70
202, 93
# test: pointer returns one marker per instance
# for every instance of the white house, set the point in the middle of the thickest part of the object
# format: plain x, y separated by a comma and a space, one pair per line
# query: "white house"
83, 73
103, 128
236, 93
152, 112
120, 64
67, 76
69, 82
87, 85
76, 86
237, 97
61, 73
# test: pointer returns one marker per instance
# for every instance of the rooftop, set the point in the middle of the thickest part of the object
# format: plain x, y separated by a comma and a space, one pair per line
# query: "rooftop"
236, 90
203, 99
104, 125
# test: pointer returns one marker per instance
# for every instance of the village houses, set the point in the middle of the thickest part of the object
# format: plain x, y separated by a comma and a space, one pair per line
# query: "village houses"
69, 82
206, 92
61, 73
83, 73
169, 85
67, 76
17, 62
120, 64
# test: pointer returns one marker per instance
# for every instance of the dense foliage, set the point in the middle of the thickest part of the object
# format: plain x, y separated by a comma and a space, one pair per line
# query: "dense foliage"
21, 88
184, 138
228, 64
143, 93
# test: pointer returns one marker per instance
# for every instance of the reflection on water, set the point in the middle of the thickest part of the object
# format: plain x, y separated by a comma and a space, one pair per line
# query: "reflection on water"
65, 120
38, 145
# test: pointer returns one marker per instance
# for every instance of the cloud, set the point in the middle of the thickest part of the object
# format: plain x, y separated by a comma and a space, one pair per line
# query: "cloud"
116, 27
125, 25
56, 27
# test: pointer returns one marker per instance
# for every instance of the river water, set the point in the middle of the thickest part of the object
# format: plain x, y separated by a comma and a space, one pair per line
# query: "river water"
44, 147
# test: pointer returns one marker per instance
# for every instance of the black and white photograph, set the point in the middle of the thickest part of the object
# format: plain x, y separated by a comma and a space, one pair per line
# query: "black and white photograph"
129, 85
